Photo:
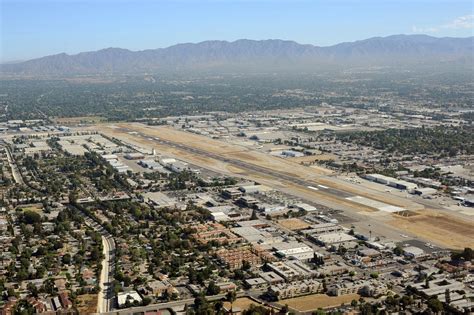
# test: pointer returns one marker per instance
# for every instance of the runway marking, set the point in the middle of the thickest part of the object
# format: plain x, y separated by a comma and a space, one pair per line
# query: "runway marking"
375, 204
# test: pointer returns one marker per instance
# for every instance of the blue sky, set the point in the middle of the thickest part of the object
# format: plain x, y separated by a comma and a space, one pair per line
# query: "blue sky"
34, 28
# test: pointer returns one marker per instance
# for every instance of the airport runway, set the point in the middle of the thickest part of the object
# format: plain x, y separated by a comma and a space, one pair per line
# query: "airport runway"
368, 214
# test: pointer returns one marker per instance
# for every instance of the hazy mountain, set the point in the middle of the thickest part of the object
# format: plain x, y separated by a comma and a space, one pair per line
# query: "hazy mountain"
255, 55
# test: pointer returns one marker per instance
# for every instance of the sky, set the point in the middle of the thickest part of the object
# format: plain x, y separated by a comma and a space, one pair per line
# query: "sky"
35, 28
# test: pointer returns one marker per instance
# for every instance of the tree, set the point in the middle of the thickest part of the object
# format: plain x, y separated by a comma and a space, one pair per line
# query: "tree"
398, 250
435, 305
30, 217
231, 296
447, 295
254, 215
246, 265
352, 273
67, 259
33, 289
257, 310
212, 288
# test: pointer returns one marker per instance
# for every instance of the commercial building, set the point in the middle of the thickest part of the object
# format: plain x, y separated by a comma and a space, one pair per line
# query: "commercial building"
248, 201
413, 252
294, 250
338, 238
291, 290
231, 193
323, 228
250, 189
131, 297
256, 283
159, 199
134, 156
292, 270
291, 153
305, 207
271, 277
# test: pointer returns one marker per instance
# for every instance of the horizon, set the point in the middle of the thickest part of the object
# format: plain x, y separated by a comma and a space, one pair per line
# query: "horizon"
31, 30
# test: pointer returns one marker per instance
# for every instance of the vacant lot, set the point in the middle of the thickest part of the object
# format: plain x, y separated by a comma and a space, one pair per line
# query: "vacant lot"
87, 303
312, 302
242, 303
293, 224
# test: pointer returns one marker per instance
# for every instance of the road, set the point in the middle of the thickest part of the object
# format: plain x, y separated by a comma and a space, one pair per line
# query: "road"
105, 296
104, 299
15, 171
168, 305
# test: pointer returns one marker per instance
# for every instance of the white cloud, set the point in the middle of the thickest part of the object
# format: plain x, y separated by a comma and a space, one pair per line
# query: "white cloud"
462, 22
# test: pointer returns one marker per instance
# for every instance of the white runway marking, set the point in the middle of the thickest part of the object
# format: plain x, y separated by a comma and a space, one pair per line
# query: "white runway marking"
375, 204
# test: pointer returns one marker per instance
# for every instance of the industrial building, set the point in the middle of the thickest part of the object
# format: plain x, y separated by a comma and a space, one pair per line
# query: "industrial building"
392, 182
338, 239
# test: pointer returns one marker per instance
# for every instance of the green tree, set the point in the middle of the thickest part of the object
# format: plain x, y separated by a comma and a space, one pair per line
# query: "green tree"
231, 296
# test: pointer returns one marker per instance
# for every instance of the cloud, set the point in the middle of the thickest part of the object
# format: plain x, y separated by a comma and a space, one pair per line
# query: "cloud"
462, 22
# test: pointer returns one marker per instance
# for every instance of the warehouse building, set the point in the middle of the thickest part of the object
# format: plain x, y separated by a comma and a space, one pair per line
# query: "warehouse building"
392, 182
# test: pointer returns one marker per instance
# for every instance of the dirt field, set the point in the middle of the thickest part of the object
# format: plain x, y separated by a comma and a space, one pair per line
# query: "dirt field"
293, 224
87, 303
310, 303
242, 303
78, 120
449, 231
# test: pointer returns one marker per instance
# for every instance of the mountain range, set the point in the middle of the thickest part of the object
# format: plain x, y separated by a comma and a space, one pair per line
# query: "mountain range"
255, 55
